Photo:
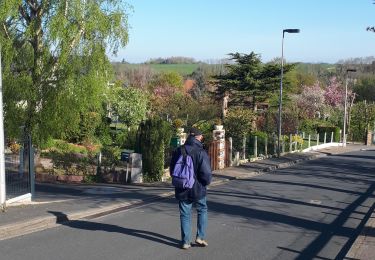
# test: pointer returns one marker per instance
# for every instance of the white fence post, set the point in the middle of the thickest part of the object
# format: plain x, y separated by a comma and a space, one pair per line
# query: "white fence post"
244, 148
266, 146
290, 143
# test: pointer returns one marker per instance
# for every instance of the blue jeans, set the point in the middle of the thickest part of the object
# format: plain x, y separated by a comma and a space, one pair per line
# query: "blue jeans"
185, 219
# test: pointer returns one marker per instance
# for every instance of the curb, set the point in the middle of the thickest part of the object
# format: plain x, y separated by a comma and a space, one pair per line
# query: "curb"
270, 169
39, 224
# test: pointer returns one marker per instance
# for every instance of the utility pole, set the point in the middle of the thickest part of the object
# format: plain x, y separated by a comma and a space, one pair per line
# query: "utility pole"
2, 153
345, 106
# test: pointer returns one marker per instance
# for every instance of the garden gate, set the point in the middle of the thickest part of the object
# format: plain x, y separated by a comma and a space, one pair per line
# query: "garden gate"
19, 171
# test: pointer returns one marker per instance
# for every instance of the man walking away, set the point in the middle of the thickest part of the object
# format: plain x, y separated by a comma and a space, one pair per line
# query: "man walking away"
196, 195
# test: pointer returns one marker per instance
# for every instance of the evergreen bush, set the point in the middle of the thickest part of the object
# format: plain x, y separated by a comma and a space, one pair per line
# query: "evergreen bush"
154, 137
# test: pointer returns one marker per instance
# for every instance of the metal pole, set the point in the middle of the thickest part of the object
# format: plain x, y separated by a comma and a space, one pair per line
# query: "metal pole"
345, 102
2, 154
281, 95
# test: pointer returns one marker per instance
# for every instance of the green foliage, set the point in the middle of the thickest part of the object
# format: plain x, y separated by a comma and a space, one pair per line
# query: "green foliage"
249, 75
172, 60
328, 130
103, 132
169, 79
153, 138
182, 69
71, 158
88, 124
130, 104
260, 134
200, 87
362, 119
127, 139
189, 109
206, 127
111, 155
365, 89
178, 123
238, 123
261, 142
62, 146
310, 126
91, 178
55, 64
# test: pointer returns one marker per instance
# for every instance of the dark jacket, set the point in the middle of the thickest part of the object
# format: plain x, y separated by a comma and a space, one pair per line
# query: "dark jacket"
202, 169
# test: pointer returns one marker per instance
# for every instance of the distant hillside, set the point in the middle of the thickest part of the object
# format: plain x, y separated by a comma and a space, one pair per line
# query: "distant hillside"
211, 69
183, 69
314, 68
172, 60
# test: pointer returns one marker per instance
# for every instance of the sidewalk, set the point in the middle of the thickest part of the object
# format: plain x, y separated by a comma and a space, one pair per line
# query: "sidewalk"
57, 203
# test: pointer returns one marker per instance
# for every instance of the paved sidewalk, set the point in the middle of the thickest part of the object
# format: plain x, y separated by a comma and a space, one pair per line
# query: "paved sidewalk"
58, 203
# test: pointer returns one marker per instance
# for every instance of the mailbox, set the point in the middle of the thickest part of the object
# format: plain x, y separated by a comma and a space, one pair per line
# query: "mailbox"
175, 142
125, 155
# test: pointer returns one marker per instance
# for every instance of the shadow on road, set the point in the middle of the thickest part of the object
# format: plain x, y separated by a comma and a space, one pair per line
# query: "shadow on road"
336, 175
95, 226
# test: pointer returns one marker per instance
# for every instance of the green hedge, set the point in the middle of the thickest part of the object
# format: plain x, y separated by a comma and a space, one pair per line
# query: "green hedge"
328, 129
154, 136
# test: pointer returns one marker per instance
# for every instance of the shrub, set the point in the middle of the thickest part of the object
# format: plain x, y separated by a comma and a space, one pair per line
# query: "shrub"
178, 123
111, 155
329, 129
206, 127
218, 121
238, 124
154, 136
15, 147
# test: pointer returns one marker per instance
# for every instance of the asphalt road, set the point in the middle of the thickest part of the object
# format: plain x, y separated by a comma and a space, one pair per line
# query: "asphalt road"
313, 210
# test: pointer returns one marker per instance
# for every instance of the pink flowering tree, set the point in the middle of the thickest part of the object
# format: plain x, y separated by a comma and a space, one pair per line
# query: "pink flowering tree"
311, 102
335, 97
334, 93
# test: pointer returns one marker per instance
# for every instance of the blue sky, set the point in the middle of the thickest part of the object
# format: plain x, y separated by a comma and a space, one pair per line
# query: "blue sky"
210, 29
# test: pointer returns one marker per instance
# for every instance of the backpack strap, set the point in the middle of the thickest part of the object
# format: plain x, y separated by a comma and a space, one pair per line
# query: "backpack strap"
183, 152
192, 153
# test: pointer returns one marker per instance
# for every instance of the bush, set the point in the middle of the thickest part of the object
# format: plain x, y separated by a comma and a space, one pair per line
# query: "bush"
261, 142
154, 137
238, 123
110, 155
15, 147
206, 127
329, 129
127, 139
178, 123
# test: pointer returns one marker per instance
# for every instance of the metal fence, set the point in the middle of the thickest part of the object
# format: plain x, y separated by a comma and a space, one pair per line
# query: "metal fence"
19, 169
257, 146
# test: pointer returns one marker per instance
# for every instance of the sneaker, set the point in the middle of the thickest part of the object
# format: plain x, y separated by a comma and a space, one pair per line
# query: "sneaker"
201, 242
186, 246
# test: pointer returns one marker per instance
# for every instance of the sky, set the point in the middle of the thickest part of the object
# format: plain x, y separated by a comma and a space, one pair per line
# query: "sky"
208, 30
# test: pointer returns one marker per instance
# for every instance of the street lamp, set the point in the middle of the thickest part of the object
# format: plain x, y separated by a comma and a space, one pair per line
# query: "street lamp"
345, 105
281, 86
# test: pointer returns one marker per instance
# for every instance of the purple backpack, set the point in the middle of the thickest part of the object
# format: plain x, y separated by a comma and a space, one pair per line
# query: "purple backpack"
183, 172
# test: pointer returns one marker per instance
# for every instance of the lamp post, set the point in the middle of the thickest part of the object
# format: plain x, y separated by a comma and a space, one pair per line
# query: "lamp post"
281, 86
345, 106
